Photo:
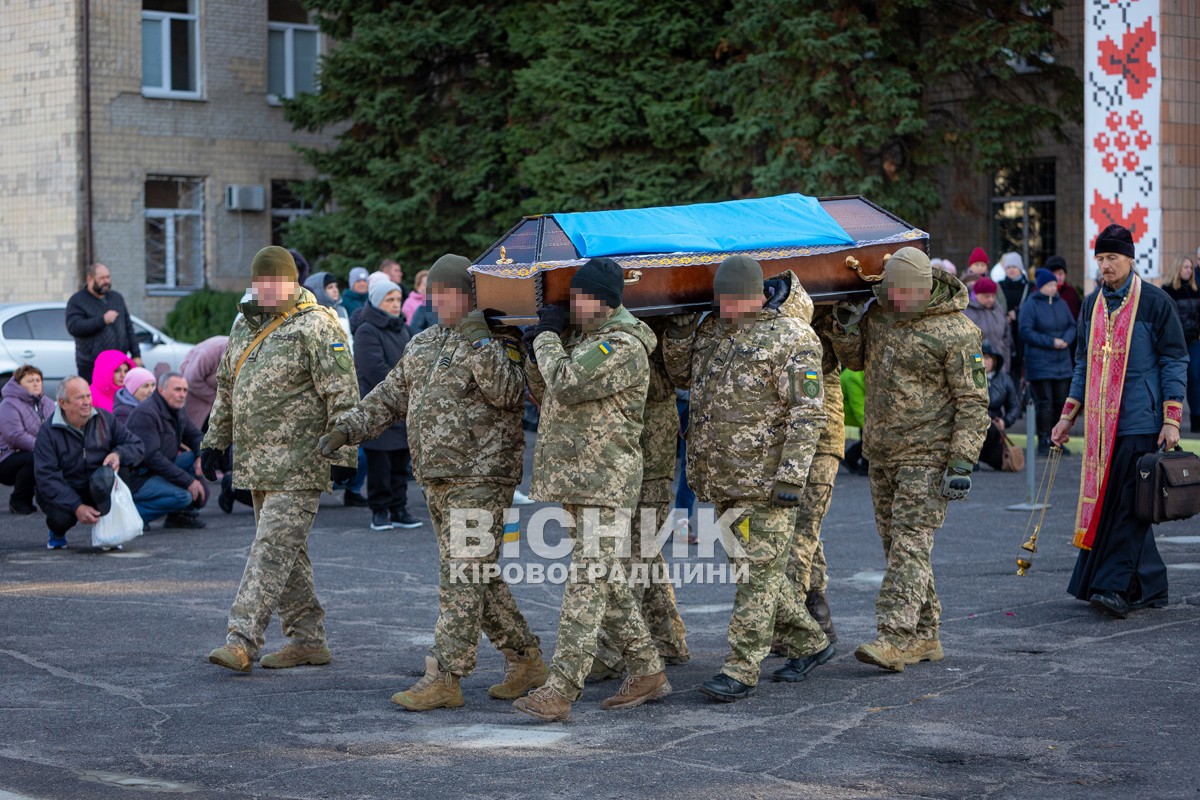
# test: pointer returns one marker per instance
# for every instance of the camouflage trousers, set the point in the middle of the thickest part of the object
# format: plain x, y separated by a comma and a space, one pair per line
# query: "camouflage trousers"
279, 574
909, 507
480, 603
806, 561
657, 600
766, 605
584, 606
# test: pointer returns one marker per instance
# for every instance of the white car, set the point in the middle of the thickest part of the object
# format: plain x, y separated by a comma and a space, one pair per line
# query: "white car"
36, 333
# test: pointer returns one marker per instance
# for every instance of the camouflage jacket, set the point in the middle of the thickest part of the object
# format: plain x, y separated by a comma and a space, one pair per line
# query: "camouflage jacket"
593, 393
757, 406
660, 433
833, 438
926, 388
463, 405
285, 398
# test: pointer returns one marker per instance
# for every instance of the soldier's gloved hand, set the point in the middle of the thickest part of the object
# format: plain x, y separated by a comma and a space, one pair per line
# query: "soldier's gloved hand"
551, 318
681, 326
956, 481
786, 495
333, 441
475, 326
210, 461
848, 315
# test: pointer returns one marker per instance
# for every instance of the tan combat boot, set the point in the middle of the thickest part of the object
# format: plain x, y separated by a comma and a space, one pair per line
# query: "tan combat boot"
435, 689
295, 655
545, 704
233, 657
635, 691
881, 654
524, 670
924, 650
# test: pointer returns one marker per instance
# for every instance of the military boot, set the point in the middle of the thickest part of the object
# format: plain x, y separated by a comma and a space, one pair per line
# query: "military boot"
545, 704
295, 655
523, 671
818, 607
881, 654
924, 650
603, 672
435, 689
635, 691
233, 657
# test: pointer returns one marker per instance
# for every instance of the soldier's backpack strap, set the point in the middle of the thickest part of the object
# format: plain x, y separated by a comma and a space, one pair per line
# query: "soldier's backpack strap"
270, 328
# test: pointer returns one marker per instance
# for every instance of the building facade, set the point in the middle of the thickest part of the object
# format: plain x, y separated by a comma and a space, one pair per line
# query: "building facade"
1134, 160
155, 144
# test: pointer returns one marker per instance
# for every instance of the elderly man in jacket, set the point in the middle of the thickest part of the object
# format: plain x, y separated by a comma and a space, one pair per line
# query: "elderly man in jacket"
167, 480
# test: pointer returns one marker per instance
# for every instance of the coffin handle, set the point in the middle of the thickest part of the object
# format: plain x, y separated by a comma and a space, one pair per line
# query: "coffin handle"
633, 276
853, 263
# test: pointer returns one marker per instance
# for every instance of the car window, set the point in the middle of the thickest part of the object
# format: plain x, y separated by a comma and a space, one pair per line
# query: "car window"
48, 323
144, 336
17, 328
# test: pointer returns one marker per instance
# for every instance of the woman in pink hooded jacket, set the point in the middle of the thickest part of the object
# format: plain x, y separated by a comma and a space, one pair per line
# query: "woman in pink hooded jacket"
108, 377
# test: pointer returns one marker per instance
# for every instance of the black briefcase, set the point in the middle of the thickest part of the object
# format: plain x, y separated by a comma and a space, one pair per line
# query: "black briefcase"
1168, 486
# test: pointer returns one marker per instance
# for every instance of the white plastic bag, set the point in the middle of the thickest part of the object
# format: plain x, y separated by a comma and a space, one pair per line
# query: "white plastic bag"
122, 523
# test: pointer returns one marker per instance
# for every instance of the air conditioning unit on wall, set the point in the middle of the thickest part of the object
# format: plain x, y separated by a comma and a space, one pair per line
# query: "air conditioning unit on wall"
244, 198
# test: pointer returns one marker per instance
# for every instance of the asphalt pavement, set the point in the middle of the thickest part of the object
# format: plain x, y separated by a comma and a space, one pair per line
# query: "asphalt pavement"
105, 690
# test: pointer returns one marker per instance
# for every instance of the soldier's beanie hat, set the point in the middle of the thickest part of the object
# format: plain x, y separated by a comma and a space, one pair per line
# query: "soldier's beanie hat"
1044, 276
273, 260
738, 275
1115, 239
603, 279
910, 265
451, 271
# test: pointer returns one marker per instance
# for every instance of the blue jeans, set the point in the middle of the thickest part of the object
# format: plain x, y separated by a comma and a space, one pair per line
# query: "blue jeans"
158, 496
1193, 381
361, 477
685, 498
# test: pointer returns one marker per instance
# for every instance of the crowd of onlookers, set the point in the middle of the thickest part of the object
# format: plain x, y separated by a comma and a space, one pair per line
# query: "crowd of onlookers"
118, 418
1030, 338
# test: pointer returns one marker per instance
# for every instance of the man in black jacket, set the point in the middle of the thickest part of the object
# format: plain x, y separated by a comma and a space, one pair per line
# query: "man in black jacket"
166, 481
99, 321
75, 459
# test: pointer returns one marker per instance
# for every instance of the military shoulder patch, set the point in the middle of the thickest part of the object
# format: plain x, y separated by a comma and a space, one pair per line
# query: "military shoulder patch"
978, 369
596, 356
514, 353
812, 383
341, 356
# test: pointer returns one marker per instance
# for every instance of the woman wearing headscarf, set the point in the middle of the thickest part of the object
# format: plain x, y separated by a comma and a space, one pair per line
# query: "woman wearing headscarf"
139, 384
108, 377
379, 343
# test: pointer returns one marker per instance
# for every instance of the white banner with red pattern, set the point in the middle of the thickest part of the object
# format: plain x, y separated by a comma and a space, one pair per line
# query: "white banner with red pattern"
1123, 90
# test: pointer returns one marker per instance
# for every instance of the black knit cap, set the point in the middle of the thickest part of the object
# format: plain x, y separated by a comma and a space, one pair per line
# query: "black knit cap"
1115, 239
603, 279
1055, 262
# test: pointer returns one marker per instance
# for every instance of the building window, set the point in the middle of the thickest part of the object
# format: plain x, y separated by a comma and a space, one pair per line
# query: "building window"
1023, 217
293, 47
286, 205
170, 49
174, 234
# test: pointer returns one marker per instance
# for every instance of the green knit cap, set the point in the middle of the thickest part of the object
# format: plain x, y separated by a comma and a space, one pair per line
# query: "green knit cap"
450, 271
738, 275
908, 267
273, 260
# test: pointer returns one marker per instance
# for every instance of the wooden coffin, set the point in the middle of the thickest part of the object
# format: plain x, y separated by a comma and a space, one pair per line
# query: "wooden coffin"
533, 263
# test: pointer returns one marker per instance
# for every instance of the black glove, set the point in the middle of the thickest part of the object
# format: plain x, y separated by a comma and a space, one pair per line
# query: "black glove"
211, 460
342, 474
551, 318
786, 495
681, 326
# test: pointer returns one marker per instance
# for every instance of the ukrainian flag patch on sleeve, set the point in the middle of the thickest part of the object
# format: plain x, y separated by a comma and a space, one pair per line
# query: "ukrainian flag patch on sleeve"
812, 383
341, 356
596, 356
978, 369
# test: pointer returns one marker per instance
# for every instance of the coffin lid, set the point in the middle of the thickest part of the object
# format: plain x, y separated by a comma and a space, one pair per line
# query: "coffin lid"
765, 229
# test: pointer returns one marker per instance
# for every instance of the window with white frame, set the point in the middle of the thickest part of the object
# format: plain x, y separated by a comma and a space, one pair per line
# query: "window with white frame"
293, 47
174, 234
286, 205
170, 49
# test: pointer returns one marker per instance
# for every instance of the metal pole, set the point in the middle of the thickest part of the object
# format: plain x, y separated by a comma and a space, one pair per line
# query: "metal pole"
1030, 503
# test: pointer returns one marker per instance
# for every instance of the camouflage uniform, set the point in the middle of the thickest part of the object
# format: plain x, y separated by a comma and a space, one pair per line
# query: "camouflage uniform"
463, 403
588, 457
926, 405
659, 442
285, 397
806, 563
756, 415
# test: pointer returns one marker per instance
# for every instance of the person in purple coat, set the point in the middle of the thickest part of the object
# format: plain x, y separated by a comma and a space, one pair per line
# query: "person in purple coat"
23, 409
